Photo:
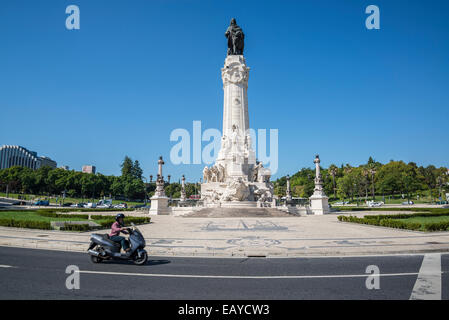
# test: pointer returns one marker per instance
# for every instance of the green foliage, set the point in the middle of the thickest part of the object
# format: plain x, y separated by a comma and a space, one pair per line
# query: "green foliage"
48, 181
368, 180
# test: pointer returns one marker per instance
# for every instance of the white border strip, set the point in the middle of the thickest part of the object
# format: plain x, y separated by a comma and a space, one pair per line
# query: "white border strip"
428, 283
243, 277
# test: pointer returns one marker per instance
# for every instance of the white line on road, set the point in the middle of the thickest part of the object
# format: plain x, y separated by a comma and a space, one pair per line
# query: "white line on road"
244, 277
428, 284
5, 266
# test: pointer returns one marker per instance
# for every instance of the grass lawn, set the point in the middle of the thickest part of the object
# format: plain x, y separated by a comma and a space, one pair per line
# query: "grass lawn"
52, 199
33, 215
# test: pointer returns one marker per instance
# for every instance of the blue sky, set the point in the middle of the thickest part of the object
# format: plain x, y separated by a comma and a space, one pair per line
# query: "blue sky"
136, 70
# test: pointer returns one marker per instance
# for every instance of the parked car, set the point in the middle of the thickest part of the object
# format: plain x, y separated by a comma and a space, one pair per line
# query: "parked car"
104, 204
407, 203
121, 206
78, 205
42, 203
18, 203
90, 205
68, 204
372, 204
341, 203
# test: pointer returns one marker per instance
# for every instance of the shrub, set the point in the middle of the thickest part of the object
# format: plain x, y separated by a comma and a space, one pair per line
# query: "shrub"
30, 224
436, 226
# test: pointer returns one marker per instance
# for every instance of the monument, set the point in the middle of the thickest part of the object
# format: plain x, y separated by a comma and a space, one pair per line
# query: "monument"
318, 201
159, 202
236, 179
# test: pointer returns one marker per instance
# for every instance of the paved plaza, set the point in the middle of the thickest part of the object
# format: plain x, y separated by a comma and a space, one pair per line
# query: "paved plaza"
249, 236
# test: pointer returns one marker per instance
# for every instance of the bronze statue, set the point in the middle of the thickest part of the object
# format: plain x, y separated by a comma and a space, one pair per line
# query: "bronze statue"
235, 38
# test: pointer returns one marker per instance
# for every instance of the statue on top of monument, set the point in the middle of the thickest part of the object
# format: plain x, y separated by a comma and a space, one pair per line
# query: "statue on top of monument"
235, 38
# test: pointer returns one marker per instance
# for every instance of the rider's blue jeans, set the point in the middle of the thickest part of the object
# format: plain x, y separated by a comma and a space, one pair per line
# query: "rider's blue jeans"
121, 240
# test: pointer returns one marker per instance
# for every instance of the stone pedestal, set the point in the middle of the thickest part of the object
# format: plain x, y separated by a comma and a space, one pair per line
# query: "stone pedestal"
159, 202
318, 201
319, 204
159, 206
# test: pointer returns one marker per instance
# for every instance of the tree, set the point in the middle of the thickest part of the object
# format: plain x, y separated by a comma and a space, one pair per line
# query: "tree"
136, 171
127, 167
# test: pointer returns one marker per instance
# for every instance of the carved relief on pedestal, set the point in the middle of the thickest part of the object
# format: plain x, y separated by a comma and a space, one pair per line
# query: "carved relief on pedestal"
235, 71
216, 173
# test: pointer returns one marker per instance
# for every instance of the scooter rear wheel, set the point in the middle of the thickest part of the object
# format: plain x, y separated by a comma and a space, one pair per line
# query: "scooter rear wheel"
95, 259
142, 260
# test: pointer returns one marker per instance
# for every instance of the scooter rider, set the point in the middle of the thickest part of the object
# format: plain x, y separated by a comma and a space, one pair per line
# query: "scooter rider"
117, 227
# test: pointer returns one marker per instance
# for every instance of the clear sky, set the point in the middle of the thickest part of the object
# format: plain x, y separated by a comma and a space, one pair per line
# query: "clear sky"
136, 70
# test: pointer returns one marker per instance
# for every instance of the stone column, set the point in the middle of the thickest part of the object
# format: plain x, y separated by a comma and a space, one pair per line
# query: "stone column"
236, 151
159, 202
288, 195
318, 201
183, 189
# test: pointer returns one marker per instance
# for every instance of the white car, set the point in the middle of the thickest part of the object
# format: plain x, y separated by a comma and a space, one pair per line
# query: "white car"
104, 206
374, 204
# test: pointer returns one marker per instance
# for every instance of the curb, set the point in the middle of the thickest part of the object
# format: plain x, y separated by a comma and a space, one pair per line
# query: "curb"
249, 254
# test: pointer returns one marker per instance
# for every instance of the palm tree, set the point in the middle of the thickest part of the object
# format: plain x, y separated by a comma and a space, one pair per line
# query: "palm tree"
372, 171
365, 174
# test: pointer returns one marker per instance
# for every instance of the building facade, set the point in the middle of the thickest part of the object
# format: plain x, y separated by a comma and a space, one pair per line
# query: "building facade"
89, 169
11, 156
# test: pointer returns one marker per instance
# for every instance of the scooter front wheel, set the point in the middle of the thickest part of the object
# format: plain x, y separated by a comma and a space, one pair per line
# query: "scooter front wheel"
142, 260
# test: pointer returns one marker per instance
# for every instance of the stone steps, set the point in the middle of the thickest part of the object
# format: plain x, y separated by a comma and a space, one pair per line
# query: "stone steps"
237, 212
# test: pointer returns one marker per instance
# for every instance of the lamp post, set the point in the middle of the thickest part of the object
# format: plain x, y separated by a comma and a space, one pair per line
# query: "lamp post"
168, 181
439, 186
357, 198
145, 191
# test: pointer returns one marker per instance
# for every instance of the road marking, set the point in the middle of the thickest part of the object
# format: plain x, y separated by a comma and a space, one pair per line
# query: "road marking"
428, 283
244, 277
5, 266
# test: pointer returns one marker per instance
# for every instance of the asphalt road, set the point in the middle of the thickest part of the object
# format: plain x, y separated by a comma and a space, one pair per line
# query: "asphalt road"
40, 274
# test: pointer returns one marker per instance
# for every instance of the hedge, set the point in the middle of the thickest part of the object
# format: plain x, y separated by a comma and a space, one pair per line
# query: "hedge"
391, 222
30, 224
128, 220
436, 211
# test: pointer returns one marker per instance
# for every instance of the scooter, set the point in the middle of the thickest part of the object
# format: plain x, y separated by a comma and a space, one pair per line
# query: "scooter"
102, 248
